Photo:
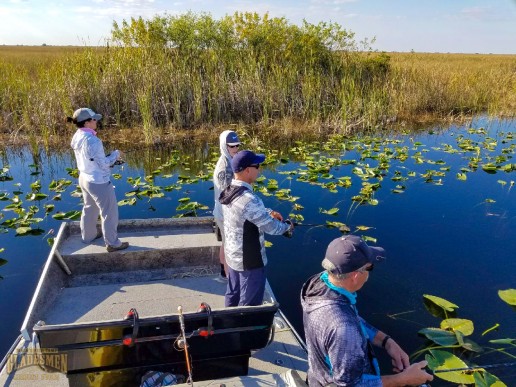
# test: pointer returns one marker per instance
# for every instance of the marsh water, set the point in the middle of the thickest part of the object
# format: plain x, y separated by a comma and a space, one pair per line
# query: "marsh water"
449, 227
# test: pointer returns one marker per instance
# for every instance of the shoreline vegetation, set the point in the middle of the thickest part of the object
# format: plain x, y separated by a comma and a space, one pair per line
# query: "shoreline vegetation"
177, 75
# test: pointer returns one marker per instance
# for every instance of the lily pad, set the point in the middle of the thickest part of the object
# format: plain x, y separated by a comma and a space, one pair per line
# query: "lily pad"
441, 302
331, 211
442, 360
485, 379
439, 336
70, 215
23, 230
458, 324
509, 296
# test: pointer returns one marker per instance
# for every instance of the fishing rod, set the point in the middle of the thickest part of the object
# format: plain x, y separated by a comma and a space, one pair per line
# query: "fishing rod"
184, 344
477, 368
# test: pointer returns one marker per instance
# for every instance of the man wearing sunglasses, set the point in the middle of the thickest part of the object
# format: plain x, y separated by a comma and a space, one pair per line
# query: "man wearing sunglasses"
245, 221
340, 342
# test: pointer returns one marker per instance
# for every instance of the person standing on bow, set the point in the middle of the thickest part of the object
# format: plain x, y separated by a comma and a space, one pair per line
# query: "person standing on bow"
222, 176
340, 342
245, 221
98, 193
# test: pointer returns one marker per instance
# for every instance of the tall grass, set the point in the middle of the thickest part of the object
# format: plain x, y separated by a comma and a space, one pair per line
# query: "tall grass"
193, 70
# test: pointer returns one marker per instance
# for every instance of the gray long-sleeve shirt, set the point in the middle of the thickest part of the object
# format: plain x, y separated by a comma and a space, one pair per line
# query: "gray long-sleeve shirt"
245, 221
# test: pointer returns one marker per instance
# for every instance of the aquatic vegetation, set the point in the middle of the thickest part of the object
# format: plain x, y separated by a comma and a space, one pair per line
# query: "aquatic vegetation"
170, 72
453, 333
508, 295
334, 165
350, 171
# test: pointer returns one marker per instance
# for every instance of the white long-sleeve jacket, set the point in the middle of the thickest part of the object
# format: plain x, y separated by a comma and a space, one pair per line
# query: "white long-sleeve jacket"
92, 162
223, 173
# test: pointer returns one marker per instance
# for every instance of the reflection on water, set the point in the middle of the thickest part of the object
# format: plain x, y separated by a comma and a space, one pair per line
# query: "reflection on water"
448, 237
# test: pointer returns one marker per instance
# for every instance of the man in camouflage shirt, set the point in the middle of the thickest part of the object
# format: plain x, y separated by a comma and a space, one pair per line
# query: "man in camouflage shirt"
245, 221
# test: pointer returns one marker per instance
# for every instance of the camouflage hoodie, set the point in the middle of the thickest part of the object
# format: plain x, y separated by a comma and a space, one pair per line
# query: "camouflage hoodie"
245, 221
337, 337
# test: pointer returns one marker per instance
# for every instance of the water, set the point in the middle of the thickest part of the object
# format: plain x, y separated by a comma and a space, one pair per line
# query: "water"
444, 240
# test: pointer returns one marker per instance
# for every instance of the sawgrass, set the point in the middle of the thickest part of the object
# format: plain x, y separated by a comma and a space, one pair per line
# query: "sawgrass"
181, 72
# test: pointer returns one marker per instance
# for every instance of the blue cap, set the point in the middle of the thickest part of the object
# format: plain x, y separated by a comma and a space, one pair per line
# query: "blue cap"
232, 139
244, 159
349, 253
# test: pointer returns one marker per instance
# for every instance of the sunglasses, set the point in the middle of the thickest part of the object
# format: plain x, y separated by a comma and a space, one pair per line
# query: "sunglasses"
257, 166
368, 268
234, 146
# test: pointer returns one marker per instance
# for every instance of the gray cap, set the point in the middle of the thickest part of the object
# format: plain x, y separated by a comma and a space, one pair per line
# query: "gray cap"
349, 253
84, 114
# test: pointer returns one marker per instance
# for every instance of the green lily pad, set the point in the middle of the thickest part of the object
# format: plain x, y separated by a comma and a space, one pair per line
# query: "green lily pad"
489, 168
125, 202
331, 211
485, 379
23, 230
458, 324
442, 360
439, 336
441, 302
70, 215
509, 296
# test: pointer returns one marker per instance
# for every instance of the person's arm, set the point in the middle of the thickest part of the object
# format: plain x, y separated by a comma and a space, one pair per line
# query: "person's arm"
413, 375
96, 149
256, 213
400, 360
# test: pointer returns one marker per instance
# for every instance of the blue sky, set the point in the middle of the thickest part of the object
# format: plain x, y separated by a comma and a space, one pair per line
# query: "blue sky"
399, 25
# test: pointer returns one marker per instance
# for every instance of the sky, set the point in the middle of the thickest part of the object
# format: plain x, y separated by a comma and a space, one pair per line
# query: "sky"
458, 26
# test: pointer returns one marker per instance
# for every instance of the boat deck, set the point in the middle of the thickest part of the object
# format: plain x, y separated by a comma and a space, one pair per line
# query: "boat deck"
156, 274
155, 298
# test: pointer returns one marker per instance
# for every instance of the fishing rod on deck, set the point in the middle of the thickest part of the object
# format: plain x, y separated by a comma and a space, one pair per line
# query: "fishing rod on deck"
184, 345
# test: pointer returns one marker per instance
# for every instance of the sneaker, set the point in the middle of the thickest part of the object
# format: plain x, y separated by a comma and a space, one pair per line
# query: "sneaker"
222, 280
123, 246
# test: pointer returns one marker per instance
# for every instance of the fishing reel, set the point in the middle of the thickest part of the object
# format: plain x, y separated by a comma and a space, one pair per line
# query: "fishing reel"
290, 231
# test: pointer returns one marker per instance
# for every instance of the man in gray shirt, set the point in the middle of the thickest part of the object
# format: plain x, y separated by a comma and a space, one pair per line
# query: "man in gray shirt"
245, 221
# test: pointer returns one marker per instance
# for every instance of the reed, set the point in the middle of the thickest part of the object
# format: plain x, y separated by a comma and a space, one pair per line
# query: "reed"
177, 72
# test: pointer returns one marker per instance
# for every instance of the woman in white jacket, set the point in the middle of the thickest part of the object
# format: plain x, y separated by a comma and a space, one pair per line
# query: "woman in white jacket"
222, 176
94, 179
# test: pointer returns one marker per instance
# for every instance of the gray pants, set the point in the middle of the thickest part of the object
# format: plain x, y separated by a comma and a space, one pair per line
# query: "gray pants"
99, 199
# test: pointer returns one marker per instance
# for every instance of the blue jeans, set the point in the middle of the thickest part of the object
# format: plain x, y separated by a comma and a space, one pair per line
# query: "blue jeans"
245, 287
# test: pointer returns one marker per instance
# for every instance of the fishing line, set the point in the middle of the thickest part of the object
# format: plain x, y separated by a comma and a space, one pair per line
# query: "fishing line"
477, 368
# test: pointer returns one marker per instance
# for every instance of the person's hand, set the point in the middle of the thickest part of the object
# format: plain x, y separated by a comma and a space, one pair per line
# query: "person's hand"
120, 155
400, 360
290, 230
415, 374
277, 215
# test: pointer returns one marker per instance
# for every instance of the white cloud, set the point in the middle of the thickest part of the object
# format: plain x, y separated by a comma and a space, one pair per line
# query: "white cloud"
331, 2
476, 12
